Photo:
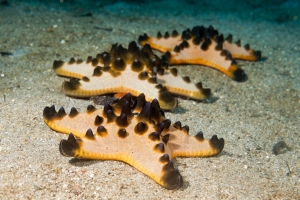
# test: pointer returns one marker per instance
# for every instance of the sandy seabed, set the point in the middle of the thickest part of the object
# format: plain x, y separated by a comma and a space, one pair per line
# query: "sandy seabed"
252, 116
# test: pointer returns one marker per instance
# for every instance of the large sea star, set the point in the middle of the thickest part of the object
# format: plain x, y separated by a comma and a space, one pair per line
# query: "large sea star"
203, 46
135, 132
136, 70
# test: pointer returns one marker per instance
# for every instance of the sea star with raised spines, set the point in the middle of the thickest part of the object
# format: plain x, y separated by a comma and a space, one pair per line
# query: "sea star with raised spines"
135, 132
136, 70
203, 46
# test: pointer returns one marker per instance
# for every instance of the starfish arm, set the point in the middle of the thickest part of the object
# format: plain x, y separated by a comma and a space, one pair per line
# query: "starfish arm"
206, 53
195, 147
184, 145
161, 43
178, 85
93, 86
120, 82
77, 123
74, 122
74, 69
240, 52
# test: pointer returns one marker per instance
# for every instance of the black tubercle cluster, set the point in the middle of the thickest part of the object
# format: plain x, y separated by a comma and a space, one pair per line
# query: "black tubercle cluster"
185, 128
119, 57
171, 178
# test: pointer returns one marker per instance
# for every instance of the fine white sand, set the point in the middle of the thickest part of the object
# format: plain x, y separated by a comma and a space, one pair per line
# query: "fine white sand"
252, 116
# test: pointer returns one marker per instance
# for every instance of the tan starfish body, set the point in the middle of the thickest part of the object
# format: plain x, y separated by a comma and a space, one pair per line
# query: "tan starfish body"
203, 46
135, 132
133, 70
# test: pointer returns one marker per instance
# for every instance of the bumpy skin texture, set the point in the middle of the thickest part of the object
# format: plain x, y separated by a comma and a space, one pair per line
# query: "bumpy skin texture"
135, 132
133, 70
203, 46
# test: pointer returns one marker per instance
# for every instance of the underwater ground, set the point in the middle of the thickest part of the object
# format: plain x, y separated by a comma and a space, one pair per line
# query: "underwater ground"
259, 119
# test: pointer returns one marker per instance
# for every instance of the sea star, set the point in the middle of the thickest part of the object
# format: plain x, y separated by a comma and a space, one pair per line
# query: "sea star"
203, 46
135, 132
134, 70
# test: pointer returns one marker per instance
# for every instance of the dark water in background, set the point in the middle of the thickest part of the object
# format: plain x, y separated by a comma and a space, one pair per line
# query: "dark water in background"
277, 11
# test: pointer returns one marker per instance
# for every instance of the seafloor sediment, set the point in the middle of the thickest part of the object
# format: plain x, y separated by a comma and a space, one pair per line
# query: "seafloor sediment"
259, 119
